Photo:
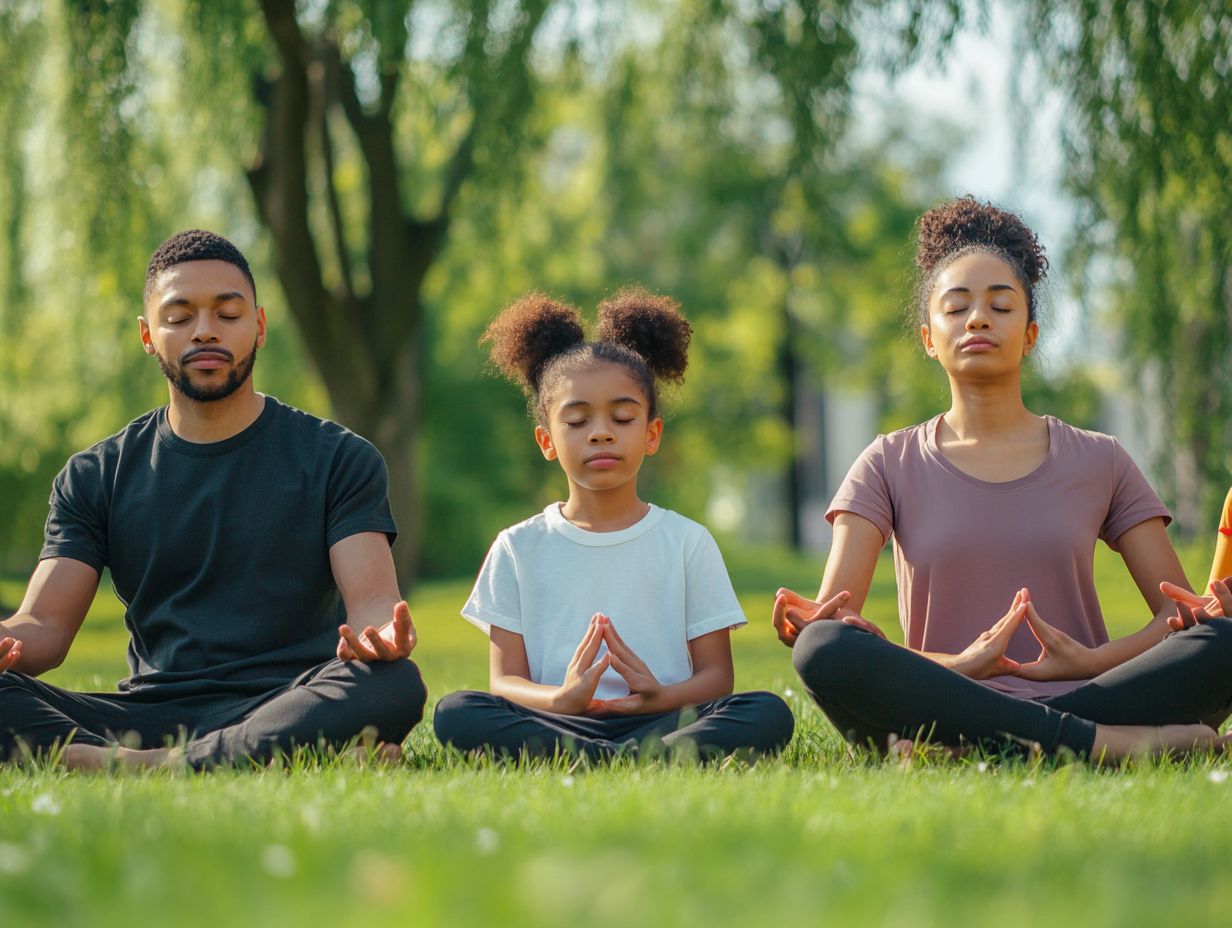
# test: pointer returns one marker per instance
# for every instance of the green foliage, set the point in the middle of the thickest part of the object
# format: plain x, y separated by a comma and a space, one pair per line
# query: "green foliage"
1150, 155
698, 147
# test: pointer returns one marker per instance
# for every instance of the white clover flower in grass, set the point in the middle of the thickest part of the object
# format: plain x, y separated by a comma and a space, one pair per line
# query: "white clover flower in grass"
278, 861
45, 804
1217, 776
14, 859
486, 841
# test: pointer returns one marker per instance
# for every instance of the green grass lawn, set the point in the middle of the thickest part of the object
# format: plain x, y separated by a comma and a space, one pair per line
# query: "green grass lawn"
818, 836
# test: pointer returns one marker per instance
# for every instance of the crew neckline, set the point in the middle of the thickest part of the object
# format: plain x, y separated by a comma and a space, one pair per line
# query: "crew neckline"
213, 449
557, 521
1054, 447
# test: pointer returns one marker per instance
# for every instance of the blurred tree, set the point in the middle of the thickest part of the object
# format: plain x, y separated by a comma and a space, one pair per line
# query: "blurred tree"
360, 124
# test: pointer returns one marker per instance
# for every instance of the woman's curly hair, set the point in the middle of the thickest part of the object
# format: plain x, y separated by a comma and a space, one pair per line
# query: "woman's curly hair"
966, 226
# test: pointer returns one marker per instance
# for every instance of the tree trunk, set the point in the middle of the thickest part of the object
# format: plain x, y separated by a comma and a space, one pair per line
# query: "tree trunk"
789, 374
390, 420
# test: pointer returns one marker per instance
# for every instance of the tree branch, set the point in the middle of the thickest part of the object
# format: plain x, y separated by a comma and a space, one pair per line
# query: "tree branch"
324, 99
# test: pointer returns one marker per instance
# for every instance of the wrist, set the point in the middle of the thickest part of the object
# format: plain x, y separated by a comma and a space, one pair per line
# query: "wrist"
954, 662
1100, 659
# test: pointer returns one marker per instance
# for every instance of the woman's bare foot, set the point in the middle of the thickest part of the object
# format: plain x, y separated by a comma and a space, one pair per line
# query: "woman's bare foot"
1117, 742
904, 749
91, 757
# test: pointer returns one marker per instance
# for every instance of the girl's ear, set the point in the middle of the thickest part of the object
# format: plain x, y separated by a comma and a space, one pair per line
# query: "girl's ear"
543, 438
654, 434
926, 338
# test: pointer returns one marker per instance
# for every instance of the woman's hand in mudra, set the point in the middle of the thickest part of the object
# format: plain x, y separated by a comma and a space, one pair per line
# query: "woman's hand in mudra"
792, 612
1061, 657
985, 657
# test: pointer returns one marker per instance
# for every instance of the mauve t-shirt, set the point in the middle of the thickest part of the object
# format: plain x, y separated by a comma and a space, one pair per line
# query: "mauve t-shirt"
963, 547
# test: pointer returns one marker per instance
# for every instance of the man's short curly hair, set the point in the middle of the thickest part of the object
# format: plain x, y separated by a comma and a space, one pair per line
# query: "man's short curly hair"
195, 245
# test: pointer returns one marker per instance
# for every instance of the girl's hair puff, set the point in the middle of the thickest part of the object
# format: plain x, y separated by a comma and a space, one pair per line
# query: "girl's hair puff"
537, 341
528, 334
966, 226
650, 326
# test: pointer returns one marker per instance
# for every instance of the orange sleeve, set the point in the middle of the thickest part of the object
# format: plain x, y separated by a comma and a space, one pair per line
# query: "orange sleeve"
1222, 565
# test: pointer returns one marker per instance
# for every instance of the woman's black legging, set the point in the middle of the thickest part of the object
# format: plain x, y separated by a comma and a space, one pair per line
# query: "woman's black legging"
871, 689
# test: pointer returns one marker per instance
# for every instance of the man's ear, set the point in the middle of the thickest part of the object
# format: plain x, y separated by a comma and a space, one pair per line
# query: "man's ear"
260, 326
147, 343
543, 438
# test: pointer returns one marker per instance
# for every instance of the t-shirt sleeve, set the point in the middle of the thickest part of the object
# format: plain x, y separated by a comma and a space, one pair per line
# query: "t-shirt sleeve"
1132, 502
866, 491
358, 494
710, 601
77, 518
1221, 566
495, 599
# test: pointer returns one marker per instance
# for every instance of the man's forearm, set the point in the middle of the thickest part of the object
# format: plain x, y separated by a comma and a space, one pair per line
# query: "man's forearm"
375, 613
42, 647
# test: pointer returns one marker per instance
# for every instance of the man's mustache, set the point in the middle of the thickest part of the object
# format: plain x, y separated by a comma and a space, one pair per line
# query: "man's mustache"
189, 355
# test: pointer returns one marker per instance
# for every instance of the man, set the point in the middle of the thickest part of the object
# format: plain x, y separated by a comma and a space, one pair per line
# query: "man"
249, 542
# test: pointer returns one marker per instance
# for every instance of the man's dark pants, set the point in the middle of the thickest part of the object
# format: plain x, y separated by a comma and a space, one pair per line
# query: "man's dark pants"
329, 705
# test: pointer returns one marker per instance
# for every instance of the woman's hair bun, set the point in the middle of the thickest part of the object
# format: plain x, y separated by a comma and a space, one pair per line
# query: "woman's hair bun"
966, 223
649, 325
529, 333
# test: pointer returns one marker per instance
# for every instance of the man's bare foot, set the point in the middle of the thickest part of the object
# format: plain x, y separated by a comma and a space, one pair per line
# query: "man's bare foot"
92, 758
1117, 742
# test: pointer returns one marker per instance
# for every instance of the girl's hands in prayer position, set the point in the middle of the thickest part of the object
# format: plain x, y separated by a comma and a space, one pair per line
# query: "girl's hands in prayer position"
576, 695
644, 689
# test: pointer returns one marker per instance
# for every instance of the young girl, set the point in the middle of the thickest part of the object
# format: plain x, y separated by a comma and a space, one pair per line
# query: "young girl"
608, 616
988, 505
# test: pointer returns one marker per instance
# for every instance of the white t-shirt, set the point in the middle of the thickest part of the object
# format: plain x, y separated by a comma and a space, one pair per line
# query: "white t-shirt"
661, 581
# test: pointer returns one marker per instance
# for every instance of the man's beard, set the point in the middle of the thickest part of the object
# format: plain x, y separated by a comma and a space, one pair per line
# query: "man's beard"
178, 376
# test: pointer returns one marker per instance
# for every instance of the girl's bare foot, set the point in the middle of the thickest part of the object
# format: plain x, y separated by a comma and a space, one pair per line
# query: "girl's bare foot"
382, 753
1117, 742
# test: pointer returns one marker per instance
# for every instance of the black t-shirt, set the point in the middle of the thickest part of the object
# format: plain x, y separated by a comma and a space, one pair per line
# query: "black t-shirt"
220, 551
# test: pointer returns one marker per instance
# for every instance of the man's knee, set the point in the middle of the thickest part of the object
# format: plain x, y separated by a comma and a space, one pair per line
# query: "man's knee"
393, 692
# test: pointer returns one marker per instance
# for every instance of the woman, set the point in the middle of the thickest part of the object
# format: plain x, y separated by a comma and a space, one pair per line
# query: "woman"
990, 504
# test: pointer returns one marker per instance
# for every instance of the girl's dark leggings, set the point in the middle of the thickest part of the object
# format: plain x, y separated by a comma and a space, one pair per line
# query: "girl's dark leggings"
755, 723
871, 689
